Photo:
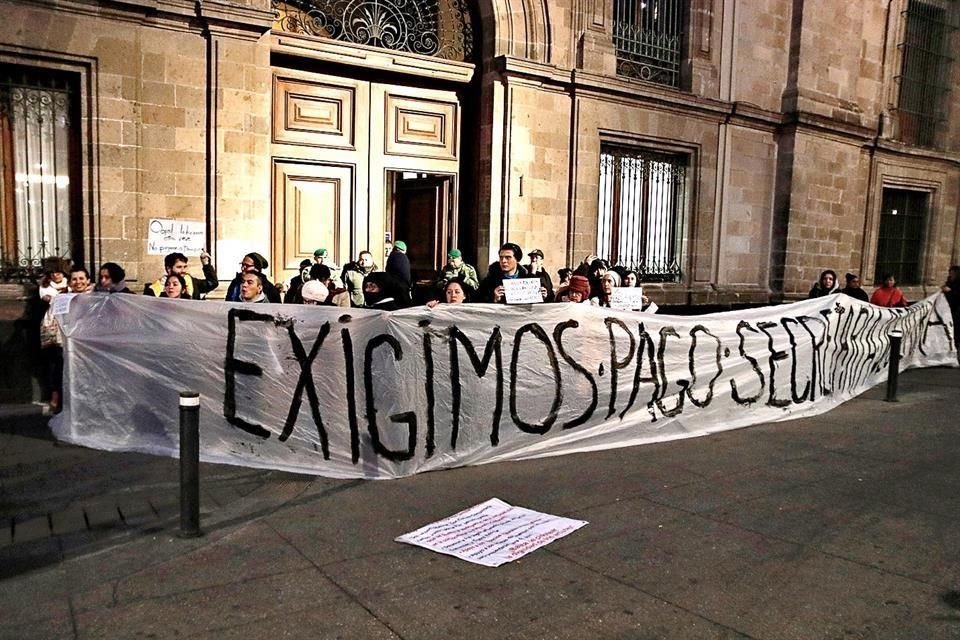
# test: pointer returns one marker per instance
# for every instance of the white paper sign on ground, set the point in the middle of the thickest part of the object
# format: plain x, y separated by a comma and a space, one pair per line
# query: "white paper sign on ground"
626, 298
492, 533
169, 236
522, 290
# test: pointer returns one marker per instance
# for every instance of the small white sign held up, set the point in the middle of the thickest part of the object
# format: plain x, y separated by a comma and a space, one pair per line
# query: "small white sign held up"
627, 298
522, 290
168, 236
492, 533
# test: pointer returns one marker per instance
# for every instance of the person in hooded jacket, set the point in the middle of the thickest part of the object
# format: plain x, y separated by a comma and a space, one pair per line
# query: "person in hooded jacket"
111, 279
384, 292
252, 263
826, 285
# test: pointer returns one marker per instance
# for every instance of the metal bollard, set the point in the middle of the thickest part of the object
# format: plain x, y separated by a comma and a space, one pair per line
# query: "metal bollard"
189, 464
896, 336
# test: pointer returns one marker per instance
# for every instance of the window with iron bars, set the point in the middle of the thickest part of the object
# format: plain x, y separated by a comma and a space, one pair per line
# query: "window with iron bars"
924, 78
648, 36
900, 238
642, 211
39, 181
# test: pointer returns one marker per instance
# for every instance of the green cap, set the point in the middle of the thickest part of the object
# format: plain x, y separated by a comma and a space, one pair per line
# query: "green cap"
400, 244
454, 253
320, 253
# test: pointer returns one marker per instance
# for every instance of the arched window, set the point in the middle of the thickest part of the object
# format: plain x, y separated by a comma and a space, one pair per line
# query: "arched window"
438, 28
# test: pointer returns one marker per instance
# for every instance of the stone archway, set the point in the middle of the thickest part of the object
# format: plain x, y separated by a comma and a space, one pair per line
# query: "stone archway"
519, 28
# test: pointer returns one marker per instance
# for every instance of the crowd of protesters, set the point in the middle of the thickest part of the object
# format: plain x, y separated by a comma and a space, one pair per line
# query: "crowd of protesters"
362, 283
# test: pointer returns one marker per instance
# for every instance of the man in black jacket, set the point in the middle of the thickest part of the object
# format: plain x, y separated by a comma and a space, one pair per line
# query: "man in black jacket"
507, 267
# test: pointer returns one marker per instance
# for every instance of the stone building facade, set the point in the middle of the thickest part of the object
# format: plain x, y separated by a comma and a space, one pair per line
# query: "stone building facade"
730, 151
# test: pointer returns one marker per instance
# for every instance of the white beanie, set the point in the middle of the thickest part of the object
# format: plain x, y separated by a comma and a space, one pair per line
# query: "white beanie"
314, 291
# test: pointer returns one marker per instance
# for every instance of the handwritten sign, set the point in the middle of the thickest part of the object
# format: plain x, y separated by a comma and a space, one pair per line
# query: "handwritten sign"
522, 290
61, 304
626, 298
492, 533
168, 236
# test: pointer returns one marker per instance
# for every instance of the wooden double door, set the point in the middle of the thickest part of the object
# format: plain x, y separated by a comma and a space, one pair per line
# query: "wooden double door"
357, 163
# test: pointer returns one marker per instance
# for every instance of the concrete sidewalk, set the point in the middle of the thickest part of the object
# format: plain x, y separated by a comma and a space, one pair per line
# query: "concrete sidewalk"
838, 526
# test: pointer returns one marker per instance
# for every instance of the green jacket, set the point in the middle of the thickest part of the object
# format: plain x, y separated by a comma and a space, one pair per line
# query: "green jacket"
466, 273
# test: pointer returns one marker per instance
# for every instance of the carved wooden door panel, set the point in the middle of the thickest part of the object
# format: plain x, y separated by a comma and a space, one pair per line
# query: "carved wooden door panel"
320, 163
339, 145
417, 132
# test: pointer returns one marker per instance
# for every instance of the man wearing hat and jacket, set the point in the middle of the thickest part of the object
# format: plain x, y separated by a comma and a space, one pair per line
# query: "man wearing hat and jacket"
457, 268
537, 269
398, 264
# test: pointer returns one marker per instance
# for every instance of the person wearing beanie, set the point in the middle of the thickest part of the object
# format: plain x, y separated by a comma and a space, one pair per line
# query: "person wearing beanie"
609, 281
577, 291
177, 263
292, 294
252, 263
507, 267
456, 268
111, 279
853, 288
335, 296
314, 292
398, 264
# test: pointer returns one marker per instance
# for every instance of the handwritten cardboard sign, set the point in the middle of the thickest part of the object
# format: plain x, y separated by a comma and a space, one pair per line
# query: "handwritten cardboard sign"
522, 290
168, 236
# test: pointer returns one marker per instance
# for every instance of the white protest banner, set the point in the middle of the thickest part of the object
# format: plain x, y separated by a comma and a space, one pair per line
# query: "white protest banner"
522, 290
169, 236
367, 394
492, 533
626, 298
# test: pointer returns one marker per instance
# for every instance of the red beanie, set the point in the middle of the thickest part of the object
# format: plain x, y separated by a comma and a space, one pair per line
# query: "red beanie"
581, 285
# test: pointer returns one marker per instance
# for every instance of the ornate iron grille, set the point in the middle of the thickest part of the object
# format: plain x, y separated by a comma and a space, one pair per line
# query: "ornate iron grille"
641, 211
900, 238
438, 28
648, 36
36, 138
925, 72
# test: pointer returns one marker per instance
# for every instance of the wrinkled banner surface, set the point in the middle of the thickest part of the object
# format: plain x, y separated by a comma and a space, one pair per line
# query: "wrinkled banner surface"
374, 395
